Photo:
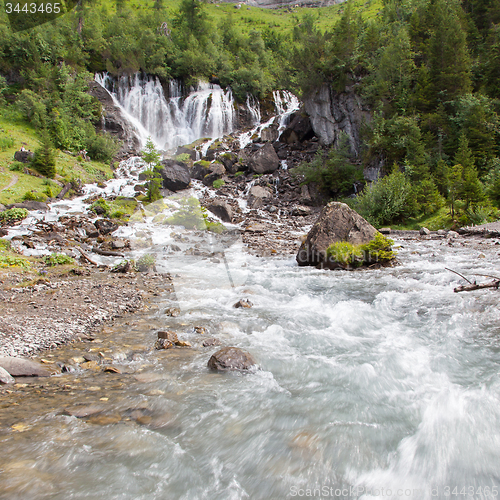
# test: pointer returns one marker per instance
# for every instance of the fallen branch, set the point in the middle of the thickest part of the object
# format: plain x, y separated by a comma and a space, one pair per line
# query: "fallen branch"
107, 252
461, 275
87, 258
474, 286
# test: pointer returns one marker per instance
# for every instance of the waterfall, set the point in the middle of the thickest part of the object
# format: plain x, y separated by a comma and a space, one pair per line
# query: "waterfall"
208, 110
176, 119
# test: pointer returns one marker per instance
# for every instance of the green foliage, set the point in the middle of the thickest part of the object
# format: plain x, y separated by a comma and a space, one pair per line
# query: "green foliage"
377, 250
218, 183
390, 199
146, 262
332, 171
7, 260
184, 157
13, 215
17, 166
237, 174
45, 158
6, 143
101, 207
153, 178
58, 259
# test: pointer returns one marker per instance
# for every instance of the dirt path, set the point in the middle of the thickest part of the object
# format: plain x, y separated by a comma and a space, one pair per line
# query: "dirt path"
13, 182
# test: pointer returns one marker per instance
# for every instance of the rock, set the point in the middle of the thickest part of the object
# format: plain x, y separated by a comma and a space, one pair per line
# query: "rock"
305, 195
231, 358
117, 244
183, 343
175, 175
333, 112
452, 234
221, 209
299, 130
83, 411
215, 171
163, 344
245, 303
181, 150
31, 205
441, 232
270, 134
20, 367
2, 207
168, 335
140, 188
105, 226
385, 230
424, 231
173, 312
91, 231
6, 377
337, 222
24, 156
264, 160
229, 161
301, 211
211, 342
200, 330
257, 195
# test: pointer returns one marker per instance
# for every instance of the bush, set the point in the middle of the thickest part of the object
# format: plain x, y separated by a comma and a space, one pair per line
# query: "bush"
17, 166
389, 200
102, 147
146, 262
218, 183
58, 259
13, 215
6, 143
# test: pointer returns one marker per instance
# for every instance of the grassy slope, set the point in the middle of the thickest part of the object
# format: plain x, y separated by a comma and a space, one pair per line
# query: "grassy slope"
68, 167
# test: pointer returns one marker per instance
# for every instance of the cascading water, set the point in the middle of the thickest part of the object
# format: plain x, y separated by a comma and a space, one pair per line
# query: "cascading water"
207, 111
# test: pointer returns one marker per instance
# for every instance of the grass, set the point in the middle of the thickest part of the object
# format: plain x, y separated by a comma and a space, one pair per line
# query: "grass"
68, 167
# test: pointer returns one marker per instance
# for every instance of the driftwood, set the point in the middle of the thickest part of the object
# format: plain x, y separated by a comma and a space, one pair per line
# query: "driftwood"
64, 190
107, 252
87, 258
474, 286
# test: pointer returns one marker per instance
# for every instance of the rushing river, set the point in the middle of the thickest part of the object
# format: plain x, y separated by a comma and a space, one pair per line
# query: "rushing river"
372, 384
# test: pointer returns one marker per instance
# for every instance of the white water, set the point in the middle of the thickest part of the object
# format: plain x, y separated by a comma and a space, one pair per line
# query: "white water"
372, 380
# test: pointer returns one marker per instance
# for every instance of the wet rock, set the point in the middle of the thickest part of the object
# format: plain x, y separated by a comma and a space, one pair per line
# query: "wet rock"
270, 134
221, 209
211, 342
452, 234
91, 231
90, 356
24, 156
231, 358
163, 344
229, 161
337, 222
168, 335
105, 226
385, 230
201, 330
111, 369
175, 175
264, 160
173, 312
183, 343
214, 172
20, 367
181, 150
424, 231
118, 244
6, 377
83, 411
257, 195
245, 303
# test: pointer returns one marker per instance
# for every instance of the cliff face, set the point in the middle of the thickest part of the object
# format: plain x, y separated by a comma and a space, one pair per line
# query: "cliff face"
334, 112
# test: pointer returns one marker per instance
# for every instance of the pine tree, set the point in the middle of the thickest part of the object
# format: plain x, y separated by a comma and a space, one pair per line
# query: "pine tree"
45, 158
152, 157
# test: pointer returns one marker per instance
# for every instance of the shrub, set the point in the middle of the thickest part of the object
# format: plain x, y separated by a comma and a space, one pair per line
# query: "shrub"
100, 207
6, 143
58, 259
14, 261
146, 262
218, 183
102, 147
17, 166
184, 157
13, 215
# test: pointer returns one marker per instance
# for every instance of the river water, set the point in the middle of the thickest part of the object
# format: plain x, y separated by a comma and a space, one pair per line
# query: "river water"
371, 384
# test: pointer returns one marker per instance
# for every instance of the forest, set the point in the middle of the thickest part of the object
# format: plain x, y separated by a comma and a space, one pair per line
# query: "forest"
429, 70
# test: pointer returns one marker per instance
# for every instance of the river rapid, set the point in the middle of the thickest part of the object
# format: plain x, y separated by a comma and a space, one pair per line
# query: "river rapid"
371, 384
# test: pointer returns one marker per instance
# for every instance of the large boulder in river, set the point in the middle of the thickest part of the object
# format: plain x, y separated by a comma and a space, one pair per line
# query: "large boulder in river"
337, 222
175, 175
30, 205
264, 160
221, 209
231, 358
20, 367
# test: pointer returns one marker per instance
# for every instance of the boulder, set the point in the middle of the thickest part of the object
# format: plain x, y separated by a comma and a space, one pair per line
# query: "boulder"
231, 358
299, 130
221, 209
175, 175
181, 150
6, 377
337, 222
211, 342
20, 367
245, 303
31, 205
105, 226
91, 231
424, 231
271, 133
24, 156
264, 160
229, 160
257, 195
215, 171
301, 211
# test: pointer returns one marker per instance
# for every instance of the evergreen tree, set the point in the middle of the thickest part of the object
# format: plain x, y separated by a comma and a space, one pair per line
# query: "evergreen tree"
153, 178
45, 158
